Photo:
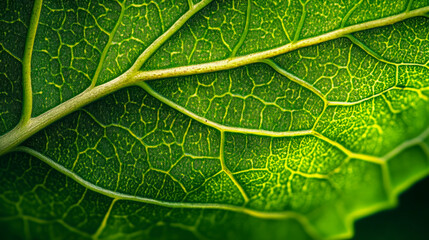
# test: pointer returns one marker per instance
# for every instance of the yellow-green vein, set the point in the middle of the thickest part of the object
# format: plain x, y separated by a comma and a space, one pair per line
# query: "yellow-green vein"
27, 104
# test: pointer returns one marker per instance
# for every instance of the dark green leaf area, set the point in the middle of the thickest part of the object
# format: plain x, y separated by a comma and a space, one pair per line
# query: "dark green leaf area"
10, 91
418, 4
37, 201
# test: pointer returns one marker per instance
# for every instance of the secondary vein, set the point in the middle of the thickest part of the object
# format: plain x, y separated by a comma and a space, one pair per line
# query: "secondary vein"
148, 52
107, 47
220, 127
26, 63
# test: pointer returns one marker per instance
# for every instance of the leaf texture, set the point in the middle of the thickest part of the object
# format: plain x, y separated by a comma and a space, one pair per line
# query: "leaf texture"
210, 119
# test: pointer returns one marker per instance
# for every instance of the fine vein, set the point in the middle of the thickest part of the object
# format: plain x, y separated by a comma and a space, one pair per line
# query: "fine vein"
245, 30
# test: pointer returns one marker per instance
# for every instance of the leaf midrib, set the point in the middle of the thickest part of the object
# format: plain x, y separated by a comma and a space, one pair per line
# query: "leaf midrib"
133, 76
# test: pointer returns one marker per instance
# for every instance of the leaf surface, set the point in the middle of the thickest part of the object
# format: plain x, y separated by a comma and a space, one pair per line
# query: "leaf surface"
211, 119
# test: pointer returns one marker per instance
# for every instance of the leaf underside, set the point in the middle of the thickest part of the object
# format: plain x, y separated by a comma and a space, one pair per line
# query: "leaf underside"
293, 144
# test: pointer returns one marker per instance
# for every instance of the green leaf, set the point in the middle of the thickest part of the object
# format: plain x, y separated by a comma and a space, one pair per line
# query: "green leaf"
209, 119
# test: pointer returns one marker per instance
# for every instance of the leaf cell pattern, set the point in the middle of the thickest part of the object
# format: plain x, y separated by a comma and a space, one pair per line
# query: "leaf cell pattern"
298, 142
